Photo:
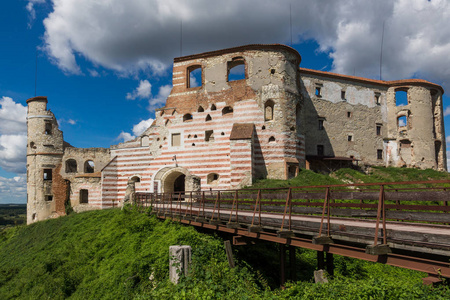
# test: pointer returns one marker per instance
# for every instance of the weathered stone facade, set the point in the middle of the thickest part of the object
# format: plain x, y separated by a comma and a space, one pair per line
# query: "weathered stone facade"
225, 132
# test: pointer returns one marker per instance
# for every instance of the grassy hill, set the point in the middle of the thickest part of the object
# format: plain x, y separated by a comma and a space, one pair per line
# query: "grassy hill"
111, 254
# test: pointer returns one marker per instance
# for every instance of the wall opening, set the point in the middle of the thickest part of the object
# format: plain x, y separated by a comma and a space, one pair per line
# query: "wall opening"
350, 138
213, 107
187, 118
318, 91
401, 97
71, 166
48, 128
179, 184
200, 109
236, 69
292, 171
227, 110
47, 174
379, 153
212, 178
89, 166
377, 98
209, 136
320, 150
343, 95
176, 139
378, 129
272, 139
349, 114
402, 121
194, 76
48, 197
84, 196
321, 124
208, 118
268, 110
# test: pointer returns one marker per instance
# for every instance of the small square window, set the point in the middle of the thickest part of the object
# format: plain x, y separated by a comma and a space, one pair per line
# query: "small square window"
318, 90
320, 150
48, 197
349, 114
47, 174
321, 125
378, 129
379, 154
349, 138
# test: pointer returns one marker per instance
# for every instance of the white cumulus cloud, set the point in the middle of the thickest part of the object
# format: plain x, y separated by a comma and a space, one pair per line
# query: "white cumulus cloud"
13, 135
161, 97
144, 90
125, 136
13, 190
136, 35
139, 128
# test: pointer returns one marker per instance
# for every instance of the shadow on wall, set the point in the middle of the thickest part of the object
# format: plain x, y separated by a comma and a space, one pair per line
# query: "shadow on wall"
314, 128
260, 168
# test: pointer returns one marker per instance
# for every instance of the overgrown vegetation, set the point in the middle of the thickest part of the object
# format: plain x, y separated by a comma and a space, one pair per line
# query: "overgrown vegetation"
112, 254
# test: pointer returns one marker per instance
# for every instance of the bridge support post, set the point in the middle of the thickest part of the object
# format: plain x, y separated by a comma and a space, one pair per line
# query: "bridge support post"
282, 265
330, 264
292, 268
320, 260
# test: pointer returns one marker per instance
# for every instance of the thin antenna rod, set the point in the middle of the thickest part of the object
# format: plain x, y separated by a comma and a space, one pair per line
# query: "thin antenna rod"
381, 51
181, 37
35, 76
290, 19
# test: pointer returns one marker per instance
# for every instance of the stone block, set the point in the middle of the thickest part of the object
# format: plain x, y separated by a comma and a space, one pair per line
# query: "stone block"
179, 261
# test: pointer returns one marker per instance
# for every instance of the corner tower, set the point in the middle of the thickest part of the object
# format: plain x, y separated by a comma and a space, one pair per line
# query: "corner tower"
45, 147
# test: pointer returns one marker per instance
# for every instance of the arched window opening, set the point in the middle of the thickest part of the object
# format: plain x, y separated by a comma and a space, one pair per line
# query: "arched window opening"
401, 97
208, 118
48, 128
187, 118
194, 76
268, 110
200, 109
135, 179
236, 69
212, 178
213, 107
89, 166
402, 121
71, 166
227, 110
272, 139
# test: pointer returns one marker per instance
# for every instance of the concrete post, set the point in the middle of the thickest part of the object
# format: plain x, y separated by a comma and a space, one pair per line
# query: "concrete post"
179, 260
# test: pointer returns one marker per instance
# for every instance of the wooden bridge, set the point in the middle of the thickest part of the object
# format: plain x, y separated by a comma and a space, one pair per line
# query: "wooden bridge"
404, 224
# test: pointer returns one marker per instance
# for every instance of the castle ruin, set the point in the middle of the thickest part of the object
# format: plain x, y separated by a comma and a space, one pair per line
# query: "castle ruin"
228, 128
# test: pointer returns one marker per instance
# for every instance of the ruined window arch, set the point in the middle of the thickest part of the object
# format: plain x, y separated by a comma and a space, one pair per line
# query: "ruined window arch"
213, 107
402, 121
208, 118
187, 118
89, 166
268, 110
212, 178
200, 109
227, 110
401, 97
236, 69
194, 76
71, 166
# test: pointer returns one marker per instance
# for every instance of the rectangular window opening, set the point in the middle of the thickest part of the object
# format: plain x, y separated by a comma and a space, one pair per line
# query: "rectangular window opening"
84, 196
320, 150
378, 98
379, 154
176, 139
47, 174
321, 125
209, 136
318, 90
48, 197
343, 95
349, 114
349, 138
378, 129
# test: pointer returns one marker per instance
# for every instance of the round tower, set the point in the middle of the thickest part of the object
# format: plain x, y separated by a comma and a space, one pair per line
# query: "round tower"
415, 129
44, 153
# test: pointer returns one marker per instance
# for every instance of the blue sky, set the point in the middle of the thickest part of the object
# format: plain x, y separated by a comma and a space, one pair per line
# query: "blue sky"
105, 65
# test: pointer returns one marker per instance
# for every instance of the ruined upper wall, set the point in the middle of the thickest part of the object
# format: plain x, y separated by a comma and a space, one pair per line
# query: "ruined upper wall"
265, 65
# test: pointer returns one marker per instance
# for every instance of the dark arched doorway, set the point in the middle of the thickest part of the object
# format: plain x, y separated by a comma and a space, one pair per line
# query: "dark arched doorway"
179, 184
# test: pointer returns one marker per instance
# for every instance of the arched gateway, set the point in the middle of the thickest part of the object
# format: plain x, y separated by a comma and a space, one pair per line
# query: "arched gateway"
176, 179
